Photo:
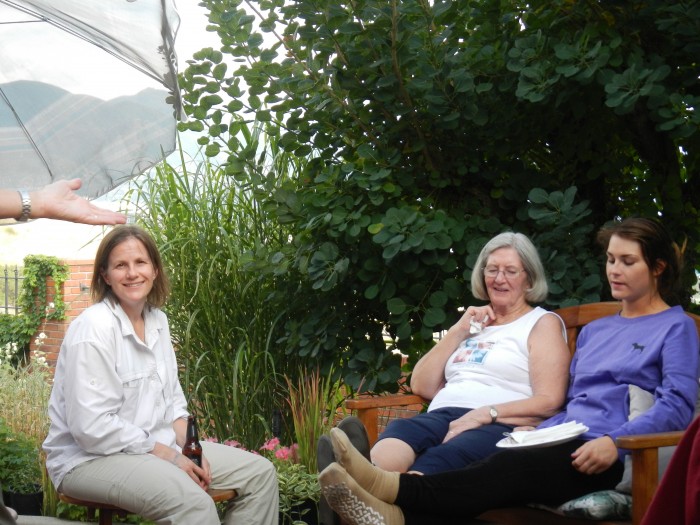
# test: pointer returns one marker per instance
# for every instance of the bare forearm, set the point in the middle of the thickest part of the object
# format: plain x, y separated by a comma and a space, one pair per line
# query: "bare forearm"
180, 427
429, 373
531, 411
165, 452
57, 201
10, 204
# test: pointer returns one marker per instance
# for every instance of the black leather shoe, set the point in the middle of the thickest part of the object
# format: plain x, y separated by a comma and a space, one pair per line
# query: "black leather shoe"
324, 457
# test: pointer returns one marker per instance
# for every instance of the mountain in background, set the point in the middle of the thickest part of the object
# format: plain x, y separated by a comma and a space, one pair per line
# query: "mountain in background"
81, 135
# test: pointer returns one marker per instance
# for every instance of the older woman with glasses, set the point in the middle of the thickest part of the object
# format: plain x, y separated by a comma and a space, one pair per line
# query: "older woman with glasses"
502, 365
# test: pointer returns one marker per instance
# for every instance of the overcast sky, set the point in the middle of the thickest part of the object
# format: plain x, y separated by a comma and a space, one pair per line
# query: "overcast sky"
82, 67
192, 35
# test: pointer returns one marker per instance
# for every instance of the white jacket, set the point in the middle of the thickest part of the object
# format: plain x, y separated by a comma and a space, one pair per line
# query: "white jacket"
112, 393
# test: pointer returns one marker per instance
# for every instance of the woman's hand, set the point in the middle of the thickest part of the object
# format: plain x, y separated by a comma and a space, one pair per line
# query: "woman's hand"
595, 456
484, 315
468, 421
58, 201
207, 472
200, 475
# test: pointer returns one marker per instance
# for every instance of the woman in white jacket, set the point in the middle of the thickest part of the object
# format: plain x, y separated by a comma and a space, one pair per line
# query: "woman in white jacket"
118, 413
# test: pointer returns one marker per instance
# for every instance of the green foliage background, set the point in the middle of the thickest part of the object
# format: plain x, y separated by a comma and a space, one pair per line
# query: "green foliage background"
427, 127
33, 302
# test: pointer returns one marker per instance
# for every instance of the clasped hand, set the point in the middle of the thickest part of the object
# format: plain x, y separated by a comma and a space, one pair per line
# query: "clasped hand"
200, 475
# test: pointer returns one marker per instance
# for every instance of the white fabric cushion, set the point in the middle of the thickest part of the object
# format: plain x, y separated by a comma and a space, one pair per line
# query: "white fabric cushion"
640, 402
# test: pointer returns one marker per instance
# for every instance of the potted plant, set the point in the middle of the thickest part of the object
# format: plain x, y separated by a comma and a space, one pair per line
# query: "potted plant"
20, 472
299, 489
24, 396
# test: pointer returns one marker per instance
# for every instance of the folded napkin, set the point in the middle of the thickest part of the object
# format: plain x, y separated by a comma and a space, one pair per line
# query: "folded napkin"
546, 435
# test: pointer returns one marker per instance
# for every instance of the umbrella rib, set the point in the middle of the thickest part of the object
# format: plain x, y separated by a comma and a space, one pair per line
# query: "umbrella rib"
26, 133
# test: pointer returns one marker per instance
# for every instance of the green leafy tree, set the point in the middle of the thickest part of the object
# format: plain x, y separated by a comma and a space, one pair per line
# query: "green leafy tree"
431, 126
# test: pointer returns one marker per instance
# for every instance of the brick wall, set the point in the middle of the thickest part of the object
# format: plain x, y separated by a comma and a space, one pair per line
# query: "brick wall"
76, 294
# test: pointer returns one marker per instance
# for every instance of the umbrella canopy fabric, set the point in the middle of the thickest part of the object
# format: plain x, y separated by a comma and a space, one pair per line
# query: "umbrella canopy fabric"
87, 89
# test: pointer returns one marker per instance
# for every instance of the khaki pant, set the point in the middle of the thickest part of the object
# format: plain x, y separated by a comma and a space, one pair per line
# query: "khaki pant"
158, 490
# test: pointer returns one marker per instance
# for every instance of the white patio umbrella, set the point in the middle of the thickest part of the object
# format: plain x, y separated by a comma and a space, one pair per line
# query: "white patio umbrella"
88, 88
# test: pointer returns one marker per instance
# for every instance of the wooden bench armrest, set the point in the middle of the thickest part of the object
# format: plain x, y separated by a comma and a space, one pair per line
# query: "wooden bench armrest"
383, 401
645, 466
642, 441
366, 408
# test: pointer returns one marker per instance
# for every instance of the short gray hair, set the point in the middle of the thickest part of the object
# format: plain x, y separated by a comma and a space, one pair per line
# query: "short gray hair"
538, 290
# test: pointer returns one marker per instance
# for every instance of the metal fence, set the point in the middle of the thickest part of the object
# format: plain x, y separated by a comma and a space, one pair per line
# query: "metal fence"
9, 290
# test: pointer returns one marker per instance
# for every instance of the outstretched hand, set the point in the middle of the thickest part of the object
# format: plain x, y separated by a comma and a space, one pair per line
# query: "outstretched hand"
58, 201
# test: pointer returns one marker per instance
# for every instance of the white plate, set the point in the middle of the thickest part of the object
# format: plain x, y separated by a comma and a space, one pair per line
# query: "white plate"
509, 443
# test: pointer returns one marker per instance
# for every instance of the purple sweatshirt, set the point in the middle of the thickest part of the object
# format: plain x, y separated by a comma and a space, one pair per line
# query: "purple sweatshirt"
657, 352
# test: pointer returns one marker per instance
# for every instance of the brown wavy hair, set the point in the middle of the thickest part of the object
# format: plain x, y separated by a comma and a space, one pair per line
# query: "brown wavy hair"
657, 246
99, 289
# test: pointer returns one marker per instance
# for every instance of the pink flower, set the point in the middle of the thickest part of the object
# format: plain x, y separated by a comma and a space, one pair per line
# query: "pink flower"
283, 453
271, 444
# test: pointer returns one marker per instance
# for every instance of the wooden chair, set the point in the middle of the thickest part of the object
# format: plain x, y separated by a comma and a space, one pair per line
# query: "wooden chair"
107, 511
644, 448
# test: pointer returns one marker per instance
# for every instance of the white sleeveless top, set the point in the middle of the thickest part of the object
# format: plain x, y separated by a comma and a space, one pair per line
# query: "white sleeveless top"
491, 367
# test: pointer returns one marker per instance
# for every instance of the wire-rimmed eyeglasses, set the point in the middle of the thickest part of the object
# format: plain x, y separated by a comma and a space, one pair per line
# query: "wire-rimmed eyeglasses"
509, 273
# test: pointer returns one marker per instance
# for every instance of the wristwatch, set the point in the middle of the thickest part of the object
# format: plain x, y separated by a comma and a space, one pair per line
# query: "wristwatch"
26, 205
493, 413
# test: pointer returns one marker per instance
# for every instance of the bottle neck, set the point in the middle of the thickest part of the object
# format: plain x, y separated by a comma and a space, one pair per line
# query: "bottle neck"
192, 432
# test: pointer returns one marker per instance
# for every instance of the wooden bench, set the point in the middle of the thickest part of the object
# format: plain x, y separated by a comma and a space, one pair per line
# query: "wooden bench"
644, 448
106, 511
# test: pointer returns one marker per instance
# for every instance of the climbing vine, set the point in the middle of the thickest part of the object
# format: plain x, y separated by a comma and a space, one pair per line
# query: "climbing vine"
16, 331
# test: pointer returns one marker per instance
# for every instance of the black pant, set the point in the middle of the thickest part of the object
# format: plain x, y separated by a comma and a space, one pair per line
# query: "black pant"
508, 478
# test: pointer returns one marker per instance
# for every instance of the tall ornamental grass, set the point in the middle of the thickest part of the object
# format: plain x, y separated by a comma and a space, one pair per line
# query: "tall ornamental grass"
314, 399
223, 317
24, 398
